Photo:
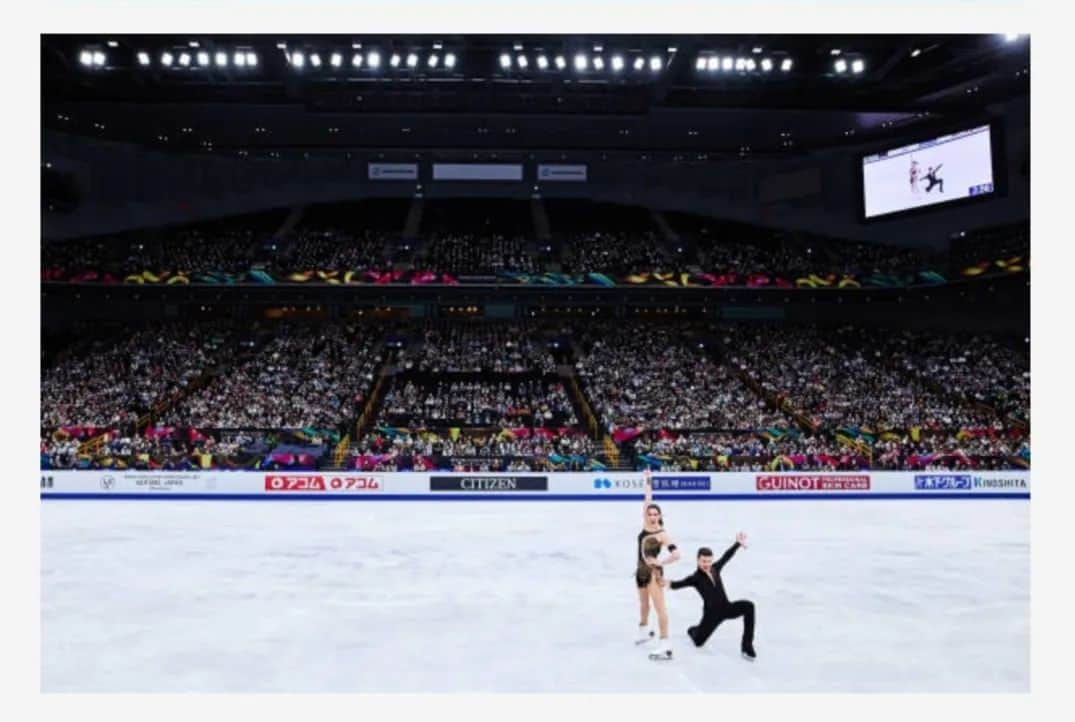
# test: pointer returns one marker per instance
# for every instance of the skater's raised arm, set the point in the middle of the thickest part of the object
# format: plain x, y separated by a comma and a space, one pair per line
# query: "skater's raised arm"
647, 498
740, 541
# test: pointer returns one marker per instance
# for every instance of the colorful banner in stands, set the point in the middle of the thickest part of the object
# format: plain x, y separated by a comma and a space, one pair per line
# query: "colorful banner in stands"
1002, 266
593, 485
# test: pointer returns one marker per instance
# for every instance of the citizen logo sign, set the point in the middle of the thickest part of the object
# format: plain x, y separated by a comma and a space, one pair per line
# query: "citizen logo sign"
46, 482
505, 484
813, 482
107, 482
489, 483
933, 482
1010, 483
618, 484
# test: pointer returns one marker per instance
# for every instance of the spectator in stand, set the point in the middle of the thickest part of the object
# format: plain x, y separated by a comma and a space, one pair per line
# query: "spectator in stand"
304, 376
115, 382
648, 375
476, 254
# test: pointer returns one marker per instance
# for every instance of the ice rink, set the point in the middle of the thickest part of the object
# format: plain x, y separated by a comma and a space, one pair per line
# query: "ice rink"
496, 596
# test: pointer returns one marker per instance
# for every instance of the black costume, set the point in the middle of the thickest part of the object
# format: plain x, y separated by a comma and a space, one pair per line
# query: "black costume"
645, 572
934, 180
716, 607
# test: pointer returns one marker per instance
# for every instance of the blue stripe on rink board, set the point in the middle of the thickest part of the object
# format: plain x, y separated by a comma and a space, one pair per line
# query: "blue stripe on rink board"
528, 497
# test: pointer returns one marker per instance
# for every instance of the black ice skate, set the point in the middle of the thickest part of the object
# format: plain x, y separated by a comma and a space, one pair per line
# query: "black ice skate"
748, 652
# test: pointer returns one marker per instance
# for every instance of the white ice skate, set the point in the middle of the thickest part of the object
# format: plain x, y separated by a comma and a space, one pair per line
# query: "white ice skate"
663, 653
645, 634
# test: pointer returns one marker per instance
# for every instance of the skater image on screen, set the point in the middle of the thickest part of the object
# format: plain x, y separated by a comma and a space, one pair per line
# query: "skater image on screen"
649, 575
716, 607
931, 176
914, 175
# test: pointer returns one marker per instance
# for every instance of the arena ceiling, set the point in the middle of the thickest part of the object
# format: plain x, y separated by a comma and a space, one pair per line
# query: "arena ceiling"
699, 95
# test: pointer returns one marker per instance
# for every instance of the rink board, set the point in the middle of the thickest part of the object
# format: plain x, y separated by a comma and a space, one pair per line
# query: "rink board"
529, 486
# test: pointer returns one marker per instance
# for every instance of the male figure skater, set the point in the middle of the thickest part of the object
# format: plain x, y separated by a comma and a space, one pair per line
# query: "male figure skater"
931, 176
716, 607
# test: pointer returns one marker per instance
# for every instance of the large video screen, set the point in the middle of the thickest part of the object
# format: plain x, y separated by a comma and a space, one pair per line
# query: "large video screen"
949, 168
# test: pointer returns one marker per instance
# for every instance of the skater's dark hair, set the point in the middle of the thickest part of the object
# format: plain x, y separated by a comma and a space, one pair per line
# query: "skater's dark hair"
705, 552
654, 506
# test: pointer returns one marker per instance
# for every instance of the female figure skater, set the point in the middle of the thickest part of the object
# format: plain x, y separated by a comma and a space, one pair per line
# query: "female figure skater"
649, 576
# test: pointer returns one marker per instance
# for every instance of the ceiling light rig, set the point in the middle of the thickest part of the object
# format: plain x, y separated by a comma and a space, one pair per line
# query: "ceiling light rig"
713, 63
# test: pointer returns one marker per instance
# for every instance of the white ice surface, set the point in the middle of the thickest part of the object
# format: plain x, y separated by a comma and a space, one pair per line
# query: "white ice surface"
901, 596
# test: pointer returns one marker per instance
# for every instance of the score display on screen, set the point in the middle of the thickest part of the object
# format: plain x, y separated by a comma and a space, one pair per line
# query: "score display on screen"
949, 168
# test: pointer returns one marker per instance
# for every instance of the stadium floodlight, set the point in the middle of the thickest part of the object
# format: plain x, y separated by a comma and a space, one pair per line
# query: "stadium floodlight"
700, 63
740, 64
581, 61
757, 51
655, 63
841, 65
356, 60
86, 58
542, 62
434, 60
713, 64
143, 58
785, 66
560, 62
751, 65
857, 66
251, 59
599, 63
184, 59
239, 59
166, 59
522, 61
617, 63
639, 63
98, 58
298, 59
726, 64
505, 61
336, 60
373, 59
203, 58
412, 60
834, 52
315, 60
766, 64
394, 60
449, 60
916, 52
222, 60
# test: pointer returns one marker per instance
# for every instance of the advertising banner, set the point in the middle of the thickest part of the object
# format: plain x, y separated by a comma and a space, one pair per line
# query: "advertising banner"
592, 486
393, 171
369, 483
561, 173
482, 482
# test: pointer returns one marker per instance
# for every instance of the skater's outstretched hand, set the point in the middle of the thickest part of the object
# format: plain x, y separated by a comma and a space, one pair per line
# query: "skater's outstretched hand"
742, 539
